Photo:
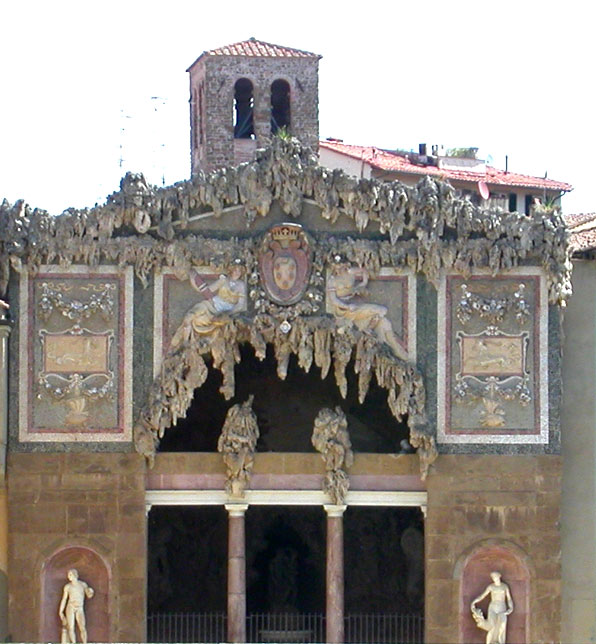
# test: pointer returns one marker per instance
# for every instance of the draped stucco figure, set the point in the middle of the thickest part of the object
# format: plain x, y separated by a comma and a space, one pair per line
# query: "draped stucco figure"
345, 286
225, 296
499, 608
72, 607
330, 437
237, 443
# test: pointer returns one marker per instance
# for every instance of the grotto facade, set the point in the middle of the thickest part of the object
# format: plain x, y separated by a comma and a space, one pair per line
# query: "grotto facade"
332, 395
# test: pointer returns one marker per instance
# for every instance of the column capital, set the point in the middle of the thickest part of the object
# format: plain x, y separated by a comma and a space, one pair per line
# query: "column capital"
335, 510
236, 509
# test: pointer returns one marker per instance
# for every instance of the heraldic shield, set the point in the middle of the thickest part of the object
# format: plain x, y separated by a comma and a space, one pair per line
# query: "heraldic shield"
285, 263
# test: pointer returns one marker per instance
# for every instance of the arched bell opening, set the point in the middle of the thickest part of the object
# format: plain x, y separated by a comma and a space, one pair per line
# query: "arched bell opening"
286, 409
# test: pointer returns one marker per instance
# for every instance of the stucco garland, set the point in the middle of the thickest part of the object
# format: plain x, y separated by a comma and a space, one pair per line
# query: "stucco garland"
426, 227
313, 340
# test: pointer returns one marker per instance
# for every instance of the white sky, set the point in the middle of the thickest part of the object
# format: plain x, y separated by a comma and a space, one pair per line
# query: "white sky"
76, 79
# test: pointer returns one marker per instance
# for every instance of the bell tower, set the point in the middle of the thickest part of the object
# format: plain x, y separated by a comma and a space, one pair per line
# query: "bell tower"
243, 94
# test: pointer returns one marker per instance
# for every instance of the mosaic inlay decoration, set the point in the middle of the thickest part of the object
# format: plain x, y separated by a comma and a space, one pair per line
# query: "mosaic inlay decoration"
76, 343
493, 358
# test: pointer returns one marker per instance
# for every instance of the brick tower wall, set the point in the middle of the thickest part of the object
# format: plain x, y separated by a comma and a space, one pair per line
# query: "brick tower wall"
218, 74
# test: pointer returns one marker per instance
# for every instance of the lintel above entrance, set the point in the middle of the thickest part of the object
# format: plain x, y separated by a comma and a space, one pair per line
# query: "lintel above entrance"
286, 497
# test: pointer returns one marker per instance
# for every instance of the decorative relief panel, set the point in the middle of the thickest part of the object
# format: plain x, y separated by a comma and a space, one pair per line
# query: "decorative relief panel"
76, 346
493, 358
197, 303
384, 305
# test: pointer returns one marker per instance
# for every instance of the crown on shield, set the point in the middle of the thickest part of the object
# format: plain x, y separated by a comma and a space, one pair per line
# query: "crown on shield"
285, 234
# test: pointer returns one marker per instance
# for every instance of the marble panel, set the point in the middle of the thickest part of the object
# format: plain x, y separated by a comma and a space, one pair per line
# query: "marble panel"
492, 384
75, 352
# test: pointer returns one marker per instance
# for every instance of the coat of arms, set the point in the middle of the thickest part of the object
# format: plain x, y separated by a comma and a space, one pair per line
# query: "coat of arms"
285, 263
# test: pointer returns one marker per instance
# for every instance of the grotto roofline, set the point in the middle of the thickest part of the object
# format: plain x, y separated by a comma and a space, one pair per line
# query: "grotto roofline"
428, 224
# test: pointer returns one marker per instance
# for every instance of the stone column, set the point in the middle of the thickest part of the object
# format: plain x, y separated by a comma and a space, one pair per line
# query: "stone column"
4, 333
335, 574
236, 573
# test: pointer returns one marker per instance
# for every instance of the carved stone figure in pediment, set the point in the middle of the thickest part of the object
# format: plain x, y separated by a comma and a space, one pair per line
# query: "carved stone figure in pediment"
330, 437
345, 287
237, 443
499, 608
225, 296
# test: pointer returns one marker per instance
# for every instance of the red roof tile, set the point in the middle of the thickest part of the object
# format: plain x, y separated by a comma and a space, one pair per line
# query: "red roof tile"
573, 220
582, 229
391, 162
256, 48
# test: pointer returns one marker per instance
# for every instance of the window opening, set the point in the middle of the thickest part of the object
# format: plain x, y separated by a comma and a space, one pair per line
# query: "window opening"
243, 110
200, 113
280, 105
512, 202
529, 203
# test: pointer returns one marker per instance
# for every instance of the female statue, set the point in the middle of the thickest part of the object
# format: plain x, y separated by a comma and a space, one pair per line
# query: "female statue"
344, 286
224, 296
500, 606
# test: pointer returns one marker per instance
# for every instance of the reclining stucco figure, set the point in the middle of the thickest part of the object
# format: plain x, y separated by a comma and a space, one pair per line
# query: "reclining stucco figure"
345, 285
225, 296
72, 606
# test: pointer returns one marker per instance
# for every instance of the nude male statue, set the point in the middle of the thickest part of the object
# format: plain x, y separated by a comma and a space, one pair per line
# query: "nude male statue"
72, 606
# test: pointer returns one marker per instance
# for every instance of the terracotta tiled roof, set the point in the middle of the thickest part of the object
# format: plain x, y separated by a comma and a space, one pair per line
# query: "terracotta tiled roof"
256, 48
582, 229
578, 219
387, 161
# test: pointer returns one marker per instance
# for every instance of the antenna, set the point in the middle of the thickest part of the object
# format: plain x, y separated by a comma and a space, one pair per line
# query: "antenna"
158, 102
122, 131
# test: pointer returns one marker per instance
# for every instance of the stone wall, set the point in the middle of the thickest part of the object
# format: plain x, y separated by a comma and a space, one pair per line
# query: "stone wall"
489, 513
218, 75
578, 443
82, 511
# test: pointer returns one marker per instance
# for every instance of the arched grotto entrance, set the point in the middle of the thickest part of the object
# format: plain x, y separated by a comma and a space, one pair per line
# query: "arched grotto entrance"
286, 410
286, 545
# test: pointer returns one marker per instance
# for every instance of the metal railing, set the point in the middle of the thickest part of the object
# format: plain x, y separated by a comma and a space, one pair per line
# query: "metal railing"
294, 628
390, 628
187, 627
285, 627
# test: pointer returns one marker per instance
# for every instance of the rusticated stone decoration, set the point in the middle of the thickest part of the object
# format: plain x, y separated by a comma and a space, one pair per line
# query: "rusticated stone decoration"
330, 437
237, 442
493, 359
76, 346
285, 262
428, 228
499, 608
314, 340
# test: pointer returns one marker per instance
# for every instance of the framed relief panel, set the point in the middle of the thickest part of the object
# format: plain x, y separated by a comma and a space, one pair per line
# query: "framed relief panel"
389, 297
493, 358
76, 354
198, 299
